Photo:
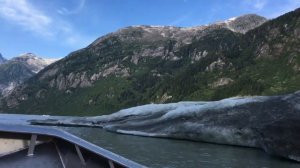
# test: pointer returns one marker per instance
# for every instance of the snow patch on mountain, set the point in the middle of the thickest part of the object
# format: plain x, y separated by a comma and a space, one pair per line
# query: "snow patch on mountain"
19, 69
34, 62
6, 89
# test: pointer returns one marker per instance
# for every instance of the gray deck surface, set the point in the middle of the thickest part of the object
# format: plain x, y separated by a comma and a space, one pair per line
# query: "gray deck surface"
70, 138
45, 157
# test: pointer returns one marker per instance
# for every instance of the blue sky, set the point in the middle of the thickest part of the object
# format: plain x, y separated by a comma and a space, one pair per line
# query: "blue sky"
54, 28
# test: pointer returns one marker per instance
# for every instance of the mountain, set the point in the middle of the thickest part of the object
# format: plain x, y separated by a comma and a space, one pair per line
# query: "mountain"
33, 62
2, 59
18, 69
244, 23
136, 65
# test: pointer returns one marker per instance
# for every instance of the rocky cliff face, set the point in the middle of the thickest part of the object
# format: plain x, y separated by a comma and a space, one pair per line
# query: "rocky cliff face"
18, 69
134, 45
143, 64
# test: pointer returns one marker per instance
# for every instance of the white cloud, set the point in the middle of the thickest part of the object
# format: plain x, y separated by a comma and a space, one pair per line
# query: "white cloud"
259, 4
25, 15
256, 5
75, 10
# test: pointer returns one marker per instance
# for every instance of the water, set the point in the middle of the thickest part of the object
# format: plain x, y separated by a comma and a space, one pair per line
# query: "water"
167, 153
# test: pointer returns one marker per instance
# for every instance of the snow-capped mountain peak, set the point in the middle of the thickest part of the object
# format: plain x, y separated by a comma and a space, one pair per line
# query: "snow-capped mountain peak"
19, 69
33, 61
244, 23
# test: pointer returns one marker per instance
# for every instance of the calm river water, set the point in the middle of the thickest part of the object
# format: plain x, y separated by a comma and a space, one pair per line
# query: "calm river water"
167, 153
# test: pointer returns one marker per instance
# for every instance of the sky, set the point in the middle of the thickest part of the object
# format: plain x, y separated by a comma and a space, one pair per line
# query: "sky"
54, 28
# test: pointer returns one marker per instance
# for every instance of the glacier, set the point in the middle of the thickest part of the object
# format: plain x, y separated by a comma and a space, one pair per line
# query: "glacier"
271, 123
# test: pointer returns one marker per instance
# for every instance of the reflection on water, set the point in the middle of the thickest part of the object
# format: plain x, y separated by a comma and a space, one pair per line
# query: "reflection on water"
167, 153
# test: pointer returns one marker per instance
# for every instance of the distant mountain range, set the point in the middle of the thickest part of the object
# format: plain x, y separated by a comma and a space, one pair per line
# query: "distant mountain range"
18, 69
246, 55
